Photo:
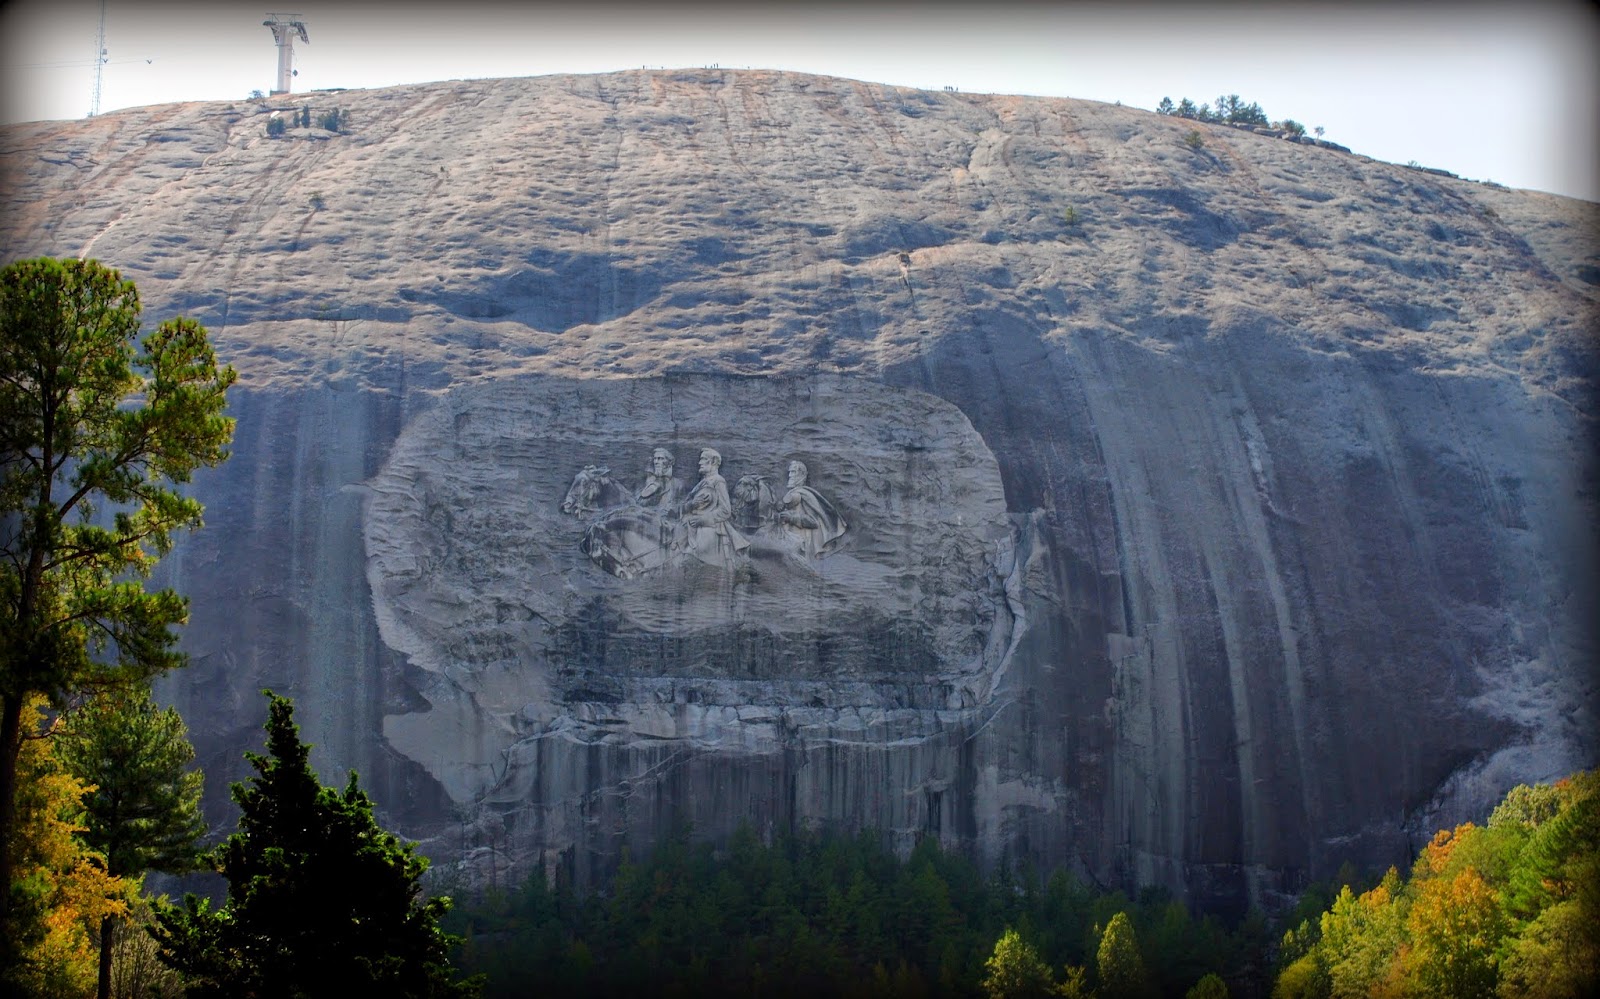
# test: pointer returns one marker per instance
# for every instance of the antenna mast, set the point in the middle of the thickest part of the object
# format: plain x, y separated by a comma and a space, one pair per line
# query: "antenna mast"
284, 27
99, 61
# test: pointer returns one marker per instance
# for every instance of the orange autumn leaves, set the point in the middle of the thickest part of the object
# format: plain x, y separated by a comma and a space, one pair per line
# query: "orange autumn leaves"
1506, 909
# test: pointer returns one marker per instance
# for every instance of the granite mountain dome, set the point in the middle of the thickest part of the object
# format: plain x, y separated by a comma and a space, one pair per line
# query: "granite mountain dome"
1203, 513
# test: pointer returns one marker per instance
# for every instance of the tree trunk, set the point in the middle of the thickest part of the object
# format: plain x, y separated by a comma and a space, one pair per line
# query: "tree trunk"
108, 929
10, 748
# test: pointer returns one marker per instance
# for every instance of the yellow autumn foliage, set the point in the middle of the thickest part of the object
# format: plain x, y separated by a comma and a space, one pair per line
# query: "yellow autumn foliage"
61, 888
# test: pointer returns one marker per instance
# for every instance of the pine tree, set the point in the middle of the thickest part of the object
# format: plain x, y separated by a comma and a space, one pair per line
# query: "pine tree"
91, 415
321, 900
144, 811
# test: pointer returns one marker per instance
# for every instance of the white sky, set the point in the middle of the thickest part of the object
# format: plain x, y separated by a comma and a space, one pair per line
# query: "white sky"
1493, 91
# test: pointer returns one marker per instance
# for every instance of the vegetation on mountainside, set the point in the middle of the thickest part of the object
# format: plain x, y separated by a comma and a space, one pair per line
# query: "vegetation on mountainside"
93, 419
1511, 908
332, 120
321, 900
824, 914
1507, 910
1230, 109
143, 812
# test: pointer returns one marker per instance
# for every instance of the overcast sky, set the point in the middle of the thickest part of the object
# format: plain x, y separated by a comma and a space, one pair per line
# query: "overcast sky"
1492, 91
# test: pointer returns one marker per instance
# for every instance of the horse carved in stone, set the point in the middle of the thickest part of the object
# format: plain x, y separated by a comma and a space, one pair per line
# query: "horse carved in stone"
593, 490
630, 542
753, 503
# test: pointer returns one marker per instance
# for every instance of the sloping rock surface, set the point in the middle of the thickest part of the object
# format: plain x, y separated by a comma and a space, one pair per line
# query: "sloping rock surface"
1206, 514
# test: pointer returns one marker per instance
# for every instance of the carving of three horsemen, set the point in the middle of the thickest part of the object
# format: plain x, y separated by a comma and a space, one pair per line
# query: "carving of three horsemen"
659, 523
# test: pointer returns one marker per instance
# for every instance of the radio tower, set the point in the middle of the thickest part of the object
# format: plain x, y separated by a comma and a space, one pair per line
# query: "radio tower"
284, 27
99, 61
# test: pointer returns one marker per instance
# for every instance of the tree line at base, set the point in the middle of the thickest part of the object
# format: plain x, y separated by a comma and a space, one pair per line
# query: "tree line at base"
828, 914
1508, 909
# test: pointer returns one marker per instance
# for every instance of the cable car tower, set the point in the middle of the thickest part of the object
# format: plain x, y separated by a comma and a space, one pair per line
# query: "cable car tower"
284, 28
99, 62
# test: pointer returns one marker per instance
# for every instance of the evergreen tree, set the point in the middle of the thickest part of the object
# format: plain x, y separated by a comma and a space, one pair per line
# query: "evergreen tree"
89, 416
321, 900
1165, 107
144, 811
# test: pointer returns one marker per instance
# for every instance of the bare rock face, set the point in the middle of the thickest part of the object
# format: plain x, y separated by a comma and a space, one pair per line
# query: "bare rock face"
622, 451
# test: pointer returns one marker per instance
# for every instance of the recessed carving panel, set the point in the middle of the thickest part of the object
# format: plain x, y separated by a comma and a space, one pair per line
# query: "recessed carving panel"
623, 559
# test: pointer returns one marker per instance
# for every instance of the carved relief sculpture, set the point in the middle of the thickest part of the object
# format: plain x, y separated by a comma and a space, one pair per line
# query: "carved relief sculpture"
754, 503
592, 490
707, 516
634, 539
807, 518
660, 489
657, 525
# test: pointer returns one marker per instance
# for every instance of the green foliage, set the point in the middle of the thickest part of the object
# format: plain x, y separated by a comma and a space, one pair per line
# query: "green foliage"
318, 894
1292, 127
814, 914
88, 417
1526, 806
276, 126
1306, 977
1014, 970
1556, 954
333, 121
136, 968
303, 118
1361, 936
1509, 909
1075, 984
1230, 109
1117, 963
1193, 140
1210, 987
93, 420
144, 810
